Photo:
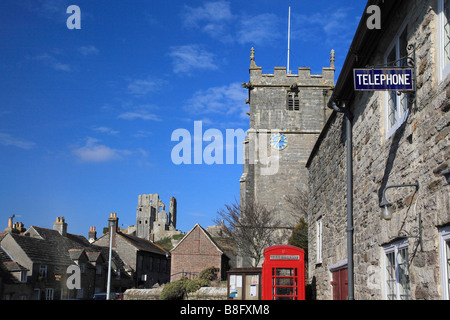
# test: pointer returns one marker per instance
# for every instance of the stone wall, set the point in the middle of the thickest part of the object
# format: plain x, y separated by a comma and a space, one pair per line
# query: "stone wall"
204, 293
418, 150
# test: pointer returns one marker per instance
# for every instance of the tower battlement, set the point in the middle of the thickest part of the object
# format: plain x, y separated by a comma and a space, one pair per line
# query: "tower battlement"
281, 78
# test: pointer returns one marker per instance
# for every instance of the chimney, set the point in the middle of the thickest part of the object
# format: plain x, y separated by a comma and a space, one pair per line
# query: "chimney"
11, 226
92, 234
113, 223
19, 227
60, 225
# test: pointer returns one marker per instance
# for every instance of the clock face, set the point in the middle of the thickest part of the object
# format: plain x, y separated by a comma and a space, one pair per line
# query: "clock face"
278, 141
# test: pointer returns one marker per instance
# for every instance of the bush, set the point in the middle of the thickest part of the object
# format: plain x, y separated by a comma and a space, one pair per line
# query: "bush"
174, 290
177, 290
209, 274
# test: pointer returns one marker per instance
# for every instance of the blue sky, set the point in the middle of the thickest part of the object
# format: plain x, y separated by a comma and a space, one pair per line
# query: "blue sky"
86, 115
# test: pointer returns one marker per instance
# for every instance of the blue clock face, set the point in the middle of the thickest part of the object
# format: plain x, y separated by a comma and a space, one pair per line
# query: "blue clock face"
278, 141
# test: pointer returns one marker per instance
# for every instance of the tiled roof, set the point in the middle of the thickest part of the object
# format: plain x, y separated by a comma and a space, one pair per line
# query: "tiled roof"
142, 244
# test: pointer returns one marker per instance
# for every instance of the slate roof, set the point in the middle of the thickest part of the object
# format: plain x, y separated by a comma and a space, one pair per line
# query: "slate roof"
140, 243
48, 246
7, 265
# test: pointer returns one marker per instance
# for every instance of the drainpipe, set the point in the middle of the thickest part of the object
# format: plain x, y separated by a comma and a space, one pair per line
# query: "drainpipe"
348, 128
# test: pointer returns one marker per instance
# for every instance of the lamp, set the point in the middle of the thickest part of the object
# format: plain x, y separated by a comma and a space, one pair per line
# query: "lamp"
386, 206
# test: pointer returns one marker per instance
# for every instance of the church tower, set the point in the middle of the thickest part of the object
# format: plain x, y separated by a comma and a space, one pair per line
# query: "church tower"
287, 114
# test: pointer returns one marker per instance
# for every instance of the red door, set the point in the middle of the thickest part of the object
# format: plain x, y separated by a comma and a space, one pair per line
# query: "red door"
340, 284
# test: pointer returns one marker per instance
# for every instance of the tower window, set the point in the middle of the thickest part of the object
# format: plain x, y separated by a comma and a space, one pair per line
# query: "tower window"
293, 102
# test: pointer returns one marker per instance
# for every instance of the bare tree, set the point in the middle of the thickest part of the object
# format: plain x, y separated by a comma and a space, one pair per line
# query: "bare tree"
251, 227
298, 204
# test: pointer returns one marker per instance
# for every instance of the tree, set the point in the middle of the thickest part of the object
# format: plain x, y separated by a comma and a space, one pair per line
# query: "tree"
251, 227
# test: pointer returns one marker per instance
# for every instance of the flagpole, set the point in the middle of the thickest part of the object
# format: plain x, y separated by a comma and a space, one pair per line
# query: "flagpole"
288, 71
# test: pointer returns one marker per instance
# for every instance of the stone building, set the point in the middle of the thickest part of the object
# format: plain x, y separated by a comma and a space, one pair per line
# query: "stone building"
34, 264
147, 262
195, 252
396, 138
287, 113
152, 221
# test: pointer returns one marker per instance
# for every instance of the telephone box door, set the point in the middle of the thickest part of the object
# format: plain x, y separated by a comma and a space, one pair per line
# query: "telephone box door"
283, 273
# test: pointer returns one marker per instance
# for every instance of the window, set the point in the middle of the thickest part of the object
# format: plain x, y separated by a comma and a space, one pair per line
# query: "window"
444, 252
43, 271
397, 271
397, 104
319, 240
23, 276
444, 38
293, 102
284, 283
98, 269
80, 293
49, 294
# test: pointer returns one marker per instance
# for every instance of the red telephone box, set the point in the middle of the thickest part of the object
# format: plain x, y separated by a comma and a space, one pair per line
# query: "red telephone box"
283, 273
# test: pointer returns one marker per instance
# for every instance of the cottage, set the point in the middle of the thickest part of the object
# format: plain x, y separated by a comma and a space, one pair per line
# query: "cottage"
386, 147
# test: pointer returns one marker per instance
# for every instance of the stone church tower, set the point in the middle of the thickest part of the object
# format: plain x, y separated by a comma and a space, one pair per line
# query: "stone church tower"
287, 113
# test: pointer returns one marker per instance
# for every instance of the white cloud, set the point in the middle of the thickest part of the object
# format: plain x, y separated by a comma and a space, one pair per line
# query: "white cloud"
88, 50
212, 18
226, 100
260, 29
144, 112
190, 57
141, 87
106, 130
94, 152
217, 20
53, 62
141, 114
9, 140
331, 24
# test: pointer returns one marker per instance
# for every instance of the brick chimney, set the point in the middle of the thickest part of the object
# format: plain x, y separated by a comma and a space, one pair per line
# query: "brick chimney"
60, 225
92, 235
11, 226
114, 221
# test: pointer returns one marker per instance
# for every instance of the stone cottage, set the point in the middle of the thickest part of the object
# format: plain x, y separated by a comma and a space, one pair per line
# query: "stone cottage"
385, 141
34, 264
147, 262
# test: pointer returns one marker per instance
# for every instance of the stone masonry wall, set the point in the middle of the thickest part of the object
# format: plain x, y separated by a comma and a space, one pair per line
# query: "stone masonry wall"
418, 150
270, 185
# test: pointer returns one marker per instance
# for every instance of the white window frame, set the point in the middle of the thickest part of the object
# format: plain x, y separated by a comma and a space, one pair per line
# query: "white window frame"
319, 240
24, 276
444, 67
395, 248
444, 253
400, 114
49, 293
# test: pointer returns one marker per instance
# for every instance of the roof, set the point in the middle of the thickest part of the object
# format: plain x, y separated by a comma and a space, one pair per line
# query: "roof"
48, 246
7, 265
139, 243
206, 233
143, 244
